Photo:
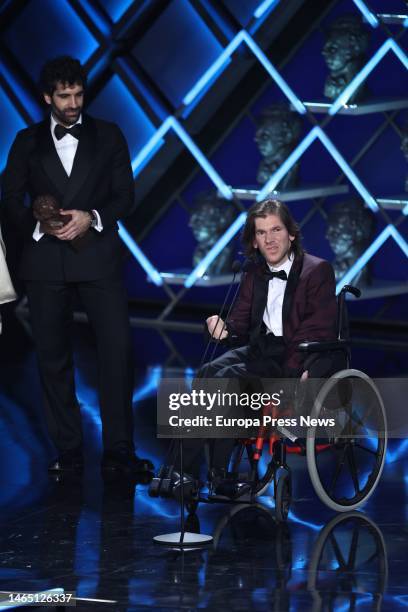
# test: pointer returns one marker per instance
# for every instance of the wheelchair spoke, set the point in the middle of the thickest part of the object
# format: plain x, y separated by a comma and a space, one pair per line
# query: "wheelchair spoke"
337, 551
359, 420
368, 450
339, 466
347, 425
353, 548
353, 468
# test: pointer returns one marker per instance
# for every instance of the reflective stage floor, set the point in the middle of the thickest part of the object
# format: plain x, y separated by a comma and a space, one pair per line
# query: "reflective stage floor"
95, 537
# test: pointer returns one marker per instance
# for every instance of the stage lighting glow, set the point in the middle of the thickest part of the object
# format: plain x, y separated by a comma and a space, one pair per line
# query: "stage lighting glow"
116, 8
97, 18
200, 269
397, 453
150, 385
202, 160
87, 558
11, 123
266, 5
317, 132
156, 142
140, 256
359, 600
390, 230
388, 45
150, 148
223, 59
367, 14
33, 109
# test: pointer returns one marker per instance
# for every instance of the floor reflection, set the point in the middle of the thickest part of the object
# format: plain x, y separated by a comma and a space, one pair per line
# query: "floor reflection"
95, 536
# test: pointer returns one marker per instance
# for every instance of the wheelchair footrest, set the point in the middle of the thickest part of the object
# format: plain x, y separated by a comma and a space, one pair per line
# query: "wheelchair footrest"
247, 498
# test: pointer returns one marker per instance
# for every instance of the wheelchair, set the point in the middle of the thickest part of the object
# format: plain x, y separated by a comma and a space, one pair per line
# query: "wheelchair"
344, 466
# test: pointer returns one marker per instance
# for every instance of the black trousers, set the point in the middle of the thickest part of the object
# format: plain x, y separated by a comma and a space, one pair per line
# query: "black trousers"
244, 362
263, 361
105, 303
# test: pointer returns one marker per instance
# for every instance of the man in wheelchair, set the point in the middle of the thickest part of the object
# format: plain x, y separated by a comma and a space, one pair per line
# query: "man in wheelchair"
286, 297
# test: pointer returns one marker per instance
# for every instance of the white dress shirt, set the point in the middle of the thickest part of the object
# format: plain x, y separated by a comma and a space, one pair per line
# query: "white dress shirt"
66, 148
276, 290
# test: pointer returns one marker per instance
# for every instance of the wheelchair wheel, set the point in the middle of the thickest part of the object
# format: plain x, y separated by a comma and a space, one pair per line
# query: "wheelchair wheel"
283, 497
349, 559
345, 463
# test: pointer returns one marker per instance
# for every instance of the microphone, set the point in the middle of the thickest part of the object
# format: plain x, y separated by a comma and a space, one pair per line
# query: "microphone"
235, 268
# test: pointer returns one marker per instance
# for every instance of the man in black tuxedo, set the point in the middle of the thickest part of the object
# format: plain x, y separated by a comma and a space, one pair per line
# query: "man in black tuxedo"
83, 164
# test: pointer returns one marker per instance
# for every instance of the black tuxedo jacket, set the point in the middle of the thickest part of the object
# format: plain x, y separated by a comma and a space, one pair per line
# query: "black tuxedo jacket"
309, 309
101, 179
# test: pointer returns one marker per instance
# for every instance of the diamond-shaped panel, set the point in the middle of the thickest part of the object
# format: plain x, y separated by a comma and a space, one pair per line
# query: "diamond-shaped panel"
187, 49
115, 101
12, 122
243, 10
115, 8
61, 32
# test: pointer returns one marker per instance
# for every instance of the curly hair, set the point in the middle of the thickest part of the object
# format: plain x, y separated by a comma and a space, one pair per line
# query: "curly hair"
263, 209
62, 69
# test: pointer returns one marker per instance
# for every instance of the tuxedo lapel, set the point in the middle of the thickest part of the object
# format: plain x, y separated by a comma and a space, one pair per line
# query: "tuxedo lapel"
83, 161
261, 284
49, 158
291, 285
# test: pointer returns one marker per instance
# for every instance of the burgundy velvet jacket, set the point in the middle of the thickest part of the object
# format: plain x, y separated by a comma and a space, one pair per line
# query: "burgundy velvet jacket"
309, 306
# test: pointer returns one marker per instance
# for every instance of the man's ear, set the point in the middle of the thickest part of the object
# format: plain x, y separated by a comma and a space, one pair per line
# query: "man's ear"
47, 98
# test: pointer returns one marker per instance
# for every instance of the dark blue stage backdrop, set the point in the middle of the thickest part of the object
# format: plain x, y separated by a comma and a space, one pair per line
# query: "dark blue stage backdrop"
146, 62
140, 76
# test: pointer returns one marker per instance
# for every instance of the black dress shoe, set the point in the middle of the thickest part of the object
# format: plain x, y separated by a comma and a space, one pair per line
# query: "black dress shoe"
225, 486
67, 461
125, 461
231, 490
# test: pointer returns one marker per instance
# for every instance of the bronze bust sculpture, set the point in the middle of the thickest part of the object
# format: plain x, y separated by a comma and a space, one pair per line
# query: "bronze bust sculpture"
210, 218
350, 229
344, 53
278, 133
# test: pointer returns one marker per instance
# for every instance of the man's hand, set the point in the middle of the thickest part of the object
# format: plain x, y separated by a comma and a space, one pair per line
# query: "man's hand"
216, 327
79, 223
50, 227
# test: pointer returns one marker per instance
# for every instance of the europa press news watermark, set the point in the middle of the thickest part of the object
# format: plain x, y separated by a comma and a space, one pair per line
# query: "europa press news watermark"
237, 408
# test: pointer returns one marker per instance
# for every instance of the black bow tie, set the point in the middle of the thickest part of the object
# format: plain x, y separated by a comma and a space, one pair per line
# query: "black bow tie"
278, 274
61, 130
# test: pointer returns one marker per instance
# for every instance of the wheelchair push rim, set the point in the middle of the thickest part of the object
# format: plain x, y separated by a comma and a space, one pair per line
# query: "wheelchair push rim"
336, 464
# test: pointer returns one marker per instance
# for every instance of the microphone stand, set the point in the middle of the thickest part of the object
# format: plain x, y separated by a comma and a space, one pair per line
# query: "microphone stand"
216, 344
236, 267
186, 539
183, 539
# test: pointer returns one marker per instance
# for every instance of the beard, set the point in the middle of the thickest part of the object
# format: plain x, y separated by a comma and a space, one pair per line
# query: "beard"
68, 116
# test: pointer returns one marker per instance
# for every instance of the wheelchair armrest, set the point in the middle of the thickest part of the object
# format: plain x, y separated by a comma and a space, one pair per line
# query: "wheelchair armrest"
320, 347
